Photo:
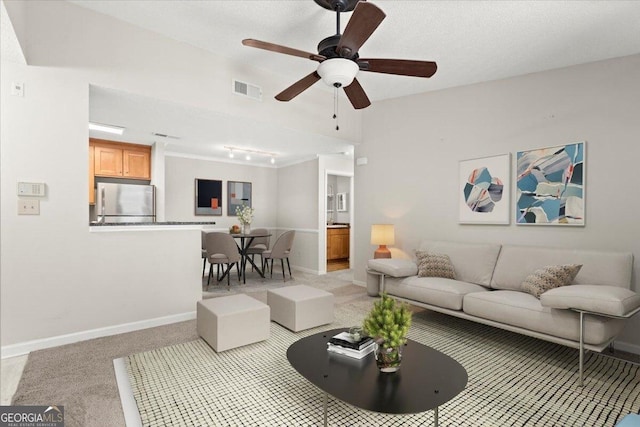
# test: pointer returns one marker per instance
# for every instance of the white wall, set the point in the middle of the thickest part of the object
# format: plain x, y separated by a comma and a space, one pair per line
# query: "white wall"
298, 210
56, 276
180, 175
414, 145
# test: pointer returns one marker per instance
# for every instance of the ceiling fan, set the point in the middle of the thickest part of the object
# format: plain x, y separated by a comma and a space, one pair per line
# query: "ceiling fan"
338, 54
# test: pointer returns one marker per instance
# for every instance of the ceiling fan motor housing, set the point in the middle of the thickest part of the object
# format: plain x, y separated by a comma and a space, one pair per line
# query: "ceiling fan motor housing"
338, 5
338, 72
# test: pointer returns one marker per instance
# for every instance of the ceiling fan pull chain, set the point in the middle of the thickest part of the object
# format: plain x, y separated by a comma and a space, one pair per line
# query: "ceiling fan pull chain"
335, 106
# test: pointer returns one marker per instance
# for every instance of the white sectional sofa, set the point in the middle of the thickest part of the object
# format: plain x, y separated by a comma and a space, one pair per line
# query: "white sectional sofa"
589, 313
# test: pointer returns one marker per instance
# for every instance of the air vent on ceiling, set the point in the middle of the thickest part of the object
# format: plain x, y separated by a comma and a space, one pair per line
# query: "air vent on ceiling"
247, 89
163, 135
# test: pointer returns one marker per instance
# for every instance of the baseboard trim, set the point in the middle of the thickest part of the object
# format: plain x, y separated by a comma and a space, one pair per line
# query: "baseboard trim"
360, 283
40, 344
625, 346
305, 270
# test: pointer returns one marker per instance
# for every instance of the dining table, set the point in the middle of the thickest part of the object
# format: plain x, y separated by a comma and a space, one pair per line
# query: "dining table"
244, 243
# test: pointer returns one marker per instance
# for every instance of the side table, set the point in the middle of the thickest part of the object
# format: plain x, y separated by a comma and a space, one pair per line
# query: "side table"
581, 349
375, 282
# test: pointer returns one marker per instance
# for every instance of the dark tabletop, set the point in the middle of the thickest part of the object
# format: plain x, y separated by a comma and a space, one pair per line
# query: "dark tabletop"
427, 378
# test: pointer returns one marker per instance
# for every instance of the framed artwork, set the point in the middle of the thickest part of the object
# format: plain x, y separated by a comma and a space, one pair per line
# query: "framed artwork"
208, 197
238, 194
550, 186
341, 202
483, 193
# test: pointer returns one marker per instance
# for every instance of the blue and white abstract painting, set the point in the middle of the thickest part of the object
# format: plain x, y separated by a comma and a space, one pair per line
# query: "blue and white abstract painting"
550, 185
484, 190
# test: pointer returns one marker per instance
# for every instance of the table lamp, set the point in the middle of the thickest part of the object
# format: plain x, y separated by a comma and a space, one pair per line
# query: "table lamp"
383, 235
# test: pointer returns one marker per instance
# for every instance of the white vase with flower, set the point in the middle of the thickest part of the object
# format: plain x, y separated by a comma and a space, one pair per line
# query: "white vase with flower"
245, 216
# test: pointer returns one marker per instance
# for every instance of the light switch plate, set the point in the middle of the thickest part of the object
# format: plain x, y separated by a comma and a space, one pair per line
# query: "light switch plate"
17, 88
28, 207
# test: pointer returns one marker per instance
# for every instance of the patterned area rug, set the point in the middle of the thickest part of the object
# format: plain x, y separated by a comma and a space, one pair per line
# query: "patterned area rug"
514, 380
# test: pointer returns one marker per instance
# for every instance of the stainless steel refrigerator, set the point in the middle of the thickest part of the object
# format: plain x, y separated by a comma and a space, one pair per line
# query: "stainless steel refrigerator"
125, 203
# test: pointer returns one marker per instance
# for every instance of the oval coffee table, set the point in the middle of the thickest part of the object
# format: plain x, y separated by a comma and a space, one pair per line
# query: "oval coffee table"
427, 378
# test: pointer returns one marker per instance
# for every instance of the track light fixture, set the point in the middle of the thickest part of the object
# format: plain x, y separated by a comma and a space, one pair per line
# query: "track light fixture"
248, 152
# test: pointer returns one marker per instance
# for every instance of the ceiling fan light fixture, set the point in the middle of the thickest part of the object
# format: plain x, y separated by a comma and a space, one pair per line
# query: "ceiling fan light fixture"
338, 72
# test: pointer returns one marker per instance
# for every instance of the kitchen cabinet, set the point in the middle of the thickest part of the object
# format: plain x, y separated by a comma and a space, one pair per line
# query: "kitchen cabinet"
92, 177
337, 243
118, 160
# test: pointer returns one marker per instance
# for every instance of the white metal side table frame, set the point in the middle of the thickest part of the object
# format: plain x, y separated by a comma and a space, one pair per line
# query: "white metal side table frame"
581, 348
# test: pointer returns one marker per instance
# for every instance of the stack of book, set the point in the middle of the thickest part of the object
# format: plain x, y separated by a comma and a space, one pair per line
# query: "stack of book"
344, 344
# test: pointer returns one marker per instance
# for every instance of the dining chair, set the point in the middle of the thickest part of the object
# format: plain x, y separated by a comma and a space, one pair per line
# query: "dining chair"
222, 250
203, 251
281, 250
259, 244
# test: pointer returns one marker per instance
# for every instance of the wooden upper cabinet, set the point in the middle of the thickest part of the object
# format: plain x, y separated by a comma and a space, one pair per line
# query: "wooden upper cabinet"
137, 163
118, 160
107, 161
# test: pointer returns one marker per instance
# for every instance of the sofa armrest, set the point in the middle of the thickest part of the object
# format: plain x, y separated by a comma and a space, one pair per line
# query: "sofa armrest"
606, 300
393, 267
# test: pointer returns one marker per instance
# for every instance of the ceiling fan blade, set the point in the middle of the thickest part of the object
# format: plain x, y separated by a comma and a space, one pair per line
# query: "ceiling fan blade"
298, 87
356, 95
282, 49
365, 19
402, 67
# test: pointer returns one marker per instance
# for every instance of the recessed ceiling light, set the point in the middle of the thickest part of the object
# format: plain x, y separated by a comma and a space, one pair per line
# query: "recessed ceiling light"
117, 130
248, 157
273, 160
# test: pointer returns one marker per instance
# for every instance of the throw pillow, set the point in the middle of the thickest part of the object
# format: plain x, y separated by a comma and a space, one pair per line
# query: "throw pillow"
549, 277
434, 265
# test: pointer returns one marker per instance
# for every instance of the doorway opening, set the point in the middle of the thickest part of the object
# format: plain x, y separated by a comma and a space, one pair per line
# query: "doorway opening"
339, 214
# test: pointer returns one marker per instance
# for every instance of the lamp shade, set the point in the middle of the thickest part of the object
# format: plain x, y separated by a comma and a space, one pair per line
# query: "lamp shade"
382, 234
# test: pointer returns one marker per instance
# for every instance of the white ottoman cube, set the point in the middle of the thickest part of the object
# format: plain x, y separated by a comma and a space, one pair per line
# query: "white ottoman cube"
232, 321
300, 307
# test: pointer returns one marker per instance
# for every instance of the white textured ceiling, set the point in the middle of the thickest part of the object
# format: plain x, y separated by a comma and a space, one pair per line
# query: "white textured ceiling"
471, 41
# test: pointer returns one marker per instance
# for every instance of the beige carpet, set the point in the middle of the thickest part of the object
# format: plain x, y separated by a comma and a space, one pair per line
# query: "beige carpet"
81, 376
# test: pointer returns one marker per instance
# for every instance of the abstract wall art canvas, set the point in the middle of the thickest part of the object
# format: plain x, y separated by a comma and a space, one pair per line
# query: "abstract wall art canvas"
239, 194
550, 186
484, 190
208, 197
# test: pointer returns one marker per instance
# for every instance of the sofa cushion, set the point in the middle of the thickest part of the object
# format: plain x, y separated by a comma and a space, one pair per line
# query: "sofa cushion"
610, 300
434, 265
446, 293
473, 262
549, 277
515, 263
525, 311
393, 267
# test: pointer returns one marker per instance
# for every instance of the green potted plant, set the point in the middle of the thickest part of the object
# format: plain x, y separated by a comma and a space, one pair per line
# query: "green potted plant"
388, 323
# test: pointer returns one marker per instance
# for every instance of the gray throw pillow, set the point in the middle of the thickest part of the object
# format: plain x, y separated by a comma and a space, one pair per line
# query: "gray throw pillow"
550, 277
434, 265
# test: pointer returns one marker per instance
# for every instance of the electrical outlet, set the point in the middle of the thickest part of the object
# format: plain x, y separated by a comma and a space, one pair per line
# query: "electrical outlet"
28, 207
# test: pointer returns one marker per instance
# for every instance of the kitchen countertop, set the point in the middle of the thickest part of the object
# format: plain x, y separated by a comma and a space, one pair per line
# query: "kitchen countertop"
125, 224
337, 225
148, 226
